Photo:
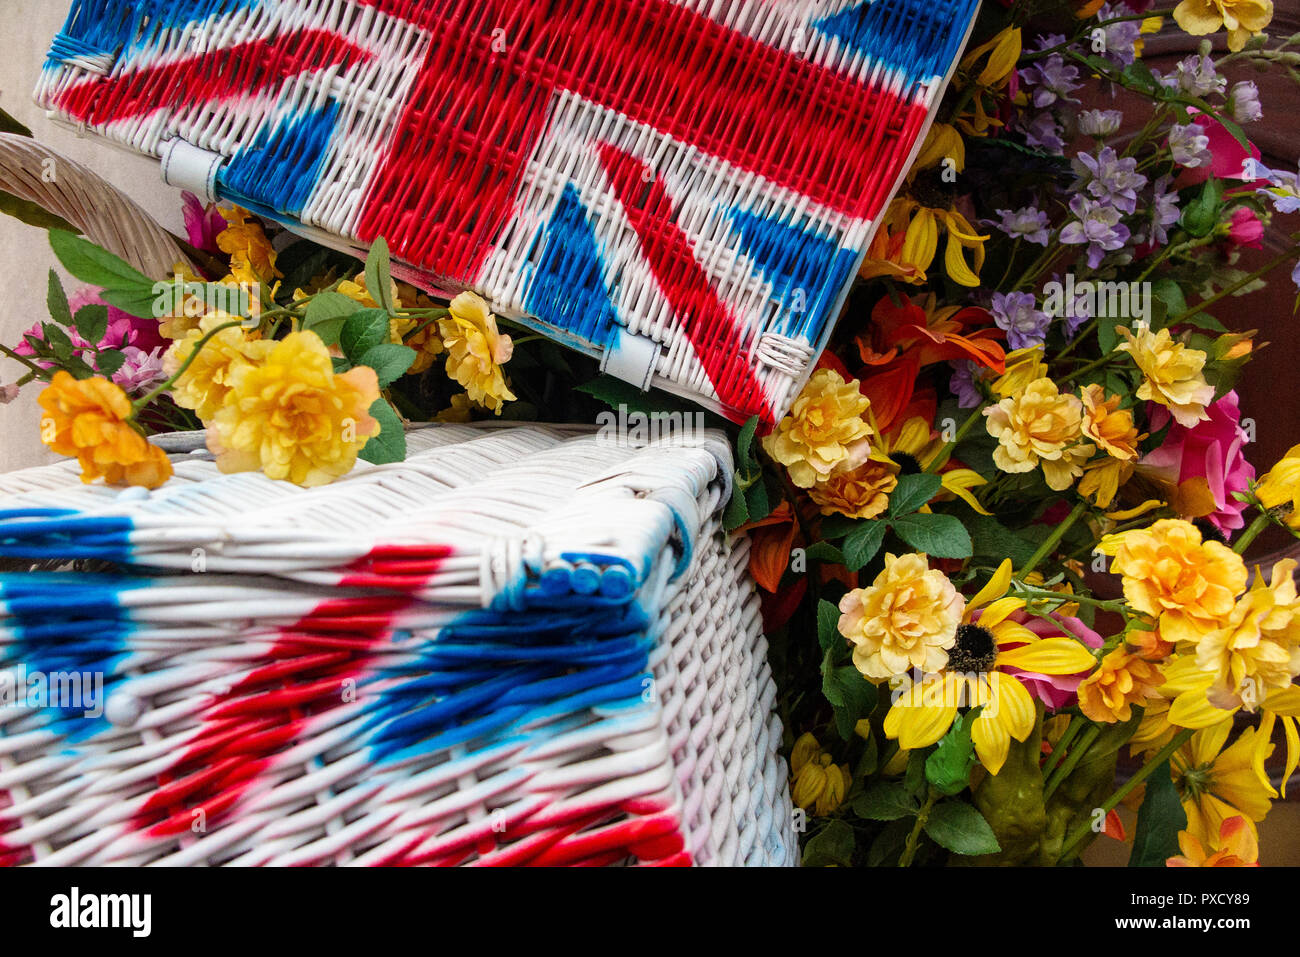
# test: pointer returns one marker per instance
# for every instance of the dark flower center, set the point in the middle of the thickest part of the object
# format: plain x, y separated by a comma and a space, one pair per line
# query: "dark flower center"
1209, 531
975, 651
907, 463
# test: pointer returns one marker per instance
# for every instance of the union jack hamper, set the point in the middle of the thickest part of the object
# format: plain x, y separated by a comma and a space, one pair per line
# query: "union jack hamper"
523, 645
683, 188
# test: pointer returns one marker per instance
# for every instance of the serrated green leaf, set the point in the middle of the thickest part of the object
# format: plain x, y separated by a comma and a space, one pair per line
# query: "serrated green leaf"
108, 362
837, 526
390, 361
824, 552
362, 331
57, 340
912, 492
746, 462
939, 536
91, 323
949, 766
884, 801
736, 513
1160, 818
861, 544
756, 502
57, 301
326, 315
828, 619
379, 275
97, 266
960, 828
831, 846
390, 444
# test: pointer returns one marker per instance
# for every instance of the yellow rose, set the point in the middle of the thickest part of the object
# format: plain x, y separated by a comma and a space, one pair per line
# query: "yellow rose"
476, 351
862, 492
1108, 425
1171, 373
205, 384
1039, 426
824, 430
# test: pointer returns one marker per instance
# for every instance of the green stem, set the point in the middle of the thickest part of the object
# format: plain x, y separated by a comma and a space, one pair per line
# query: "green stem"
1072, 760
1084, 370
1070, 847
1045, 593
1076, 725
1229, 290
1053, 540
36, 370
1252, 531
144, 401
914, 839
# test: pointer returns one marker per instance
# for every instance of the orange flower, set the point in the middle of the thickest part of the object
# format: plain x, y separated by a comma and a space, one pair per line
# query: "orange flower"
770, 542
862, 492
1238, 847
1108, 425
91, 420
1122, 680
934, 334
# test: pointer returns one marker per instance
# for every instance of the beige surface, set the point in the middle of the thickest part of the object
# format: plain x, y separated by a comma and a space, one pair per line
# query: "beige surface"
29, 25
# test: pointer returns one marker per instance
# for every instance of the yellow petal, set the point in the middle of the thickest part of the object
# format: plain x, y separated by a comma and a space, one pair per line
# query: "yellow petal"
1292, 750
1050, 656
1149, 505
1192, 709
995, 588
1284, 701
1015, 706
991, 742
958, 481
994, 616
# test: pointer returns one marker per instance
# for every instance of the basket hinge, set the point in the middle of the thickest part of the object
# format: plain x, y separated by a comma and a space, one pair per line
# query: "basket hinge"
186, 166
631, 357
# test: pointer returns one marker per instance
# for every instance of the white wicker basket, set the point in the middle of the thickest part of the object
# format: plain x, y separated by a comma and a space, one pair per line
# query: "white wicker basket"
523, 645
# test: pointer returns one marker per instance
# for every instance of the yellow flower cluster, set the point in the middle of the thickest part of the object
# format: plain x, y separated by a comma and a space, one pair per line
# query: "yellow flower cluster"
252, 258
476, 350
1241, 18
1039, 426
817, 784
824, 432
1171, 373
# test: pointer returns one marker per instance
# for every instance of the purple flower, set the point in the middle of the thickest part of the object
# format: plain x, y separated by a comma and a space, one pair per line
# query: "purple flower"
1164, 211
1028, 224
1098, 225
1109, 178
1243, 102
1044, 132
1189, 145
1284, 194
203, 224
1100, 122
1295, 276
963, 385
1073, 314
1121, 38
141, 371
1016, 314
1050, 80
1195, 75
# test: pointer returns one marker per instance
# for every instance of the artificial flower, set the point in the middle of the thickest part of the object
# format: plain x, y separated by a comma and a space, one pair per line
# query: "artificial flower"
1216, 783
476, 351
1169, 573
1108, 425
205, 383
1122, 680
1237, 846
291, 416
817, 784
908, 238
1241, 18
926, 333
91, 419
1280, 488
913, 446
907, 618
245, 242
824, 431
1039, 426
861, 492
1171, 373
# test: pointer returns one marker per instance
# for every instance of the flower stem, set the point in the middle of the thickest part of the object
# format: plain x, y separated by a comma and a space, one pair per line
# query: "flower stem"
144, 401
36, 370
1252, 531
1071, 761
1070, 847
1073, 728
914, 839
1066, 598
1053, 540
1230, 289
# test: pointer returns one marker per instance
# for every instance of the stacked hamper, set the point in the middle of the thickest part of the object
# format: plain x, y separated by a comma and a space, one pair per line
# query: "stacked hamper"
683, 188
524, 645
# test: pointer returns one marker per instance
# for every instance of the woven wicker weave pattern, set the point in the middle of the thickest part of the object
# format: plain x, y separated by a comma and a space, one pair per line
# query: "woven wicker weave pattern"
444, 661
683, 188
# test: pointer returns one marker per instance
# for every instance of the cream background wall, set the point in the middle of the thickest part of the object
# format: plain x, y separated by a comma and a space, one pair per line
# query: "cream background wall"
25, 256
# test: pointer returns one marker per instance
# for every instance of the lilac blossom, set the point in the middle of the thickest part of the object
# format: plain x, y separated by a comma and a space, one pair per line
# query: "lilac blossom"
1243, 102
1028, 224
1074, 314
1122, 37
1109, 178
963, 385
1017, 315
1100, 122
1164, 211
1050, 79
1189, 145
1196, 76
1098, 225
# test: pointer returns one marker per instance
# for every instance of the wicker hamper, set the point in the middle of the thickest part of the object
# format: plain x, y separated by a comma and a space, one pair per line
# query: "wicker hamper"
684, 188
524, 645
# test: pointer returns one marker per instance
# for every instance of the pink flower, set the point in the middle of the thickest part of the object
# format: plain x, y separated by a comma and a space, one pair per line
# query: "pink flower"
1228, 158
141, 371
202, 223
1244, 228
1211, 450
124, 329
1054, 691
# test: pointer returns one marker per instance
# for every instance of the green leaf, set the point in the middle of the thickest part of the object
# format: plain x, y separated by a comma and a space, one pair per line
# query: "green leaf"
1201, 214
33, 214
991, 539
736, 513
379, 275
746, 463
861, 544
756, 502
824, 552
390, 444
912, 492
389, 361
57, 301
362, 331
91, 323
57, 340
97, 266
837, 526
614, 392
960, 828
109, 361
831, 846
940, 536
948, 767
884, 801
326, 315
851, 695
10, 125
889, 843
914, 776
1160, 818
138, 301
828, 620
